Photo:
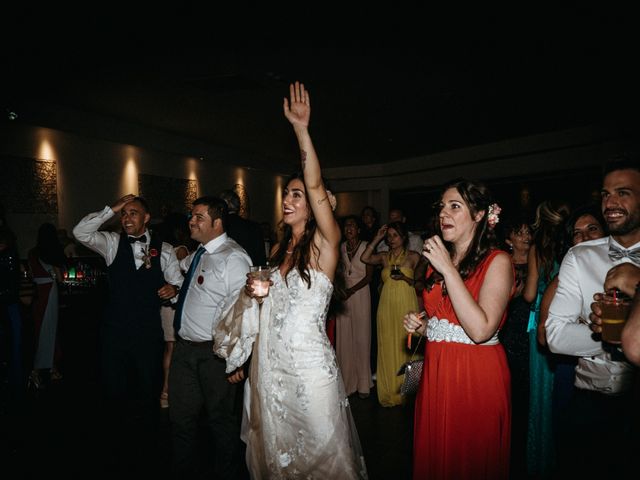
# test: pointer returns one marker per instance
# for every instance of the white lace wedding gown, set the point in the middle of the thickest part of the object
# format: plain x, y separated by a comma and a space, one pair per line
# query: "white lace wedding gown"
297, 421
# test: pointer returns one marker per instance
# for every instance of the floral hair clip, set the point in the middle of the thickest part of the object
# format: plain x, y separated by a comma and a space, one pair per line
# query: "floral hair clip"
493, 214
332, 200
148, 254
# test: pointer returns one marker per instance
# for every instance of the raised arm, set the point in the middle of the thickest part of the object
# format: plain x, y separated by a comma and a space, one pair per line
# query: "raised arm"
368, 255
298, 112
103, 243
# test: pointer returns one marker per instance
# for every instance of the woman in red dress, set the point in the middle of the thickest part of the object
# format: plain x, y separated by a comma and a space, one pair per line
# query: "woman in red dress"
463, 411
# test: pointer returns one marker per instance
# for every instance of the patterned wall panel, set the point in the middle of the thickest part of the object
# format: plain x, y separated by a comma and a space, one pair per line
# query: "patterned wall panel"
245, 210
167, 194
28, 185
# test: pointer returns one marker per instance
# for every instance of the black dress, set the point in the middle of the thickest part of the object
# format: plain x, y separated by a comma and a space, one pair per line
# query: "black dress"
515, 339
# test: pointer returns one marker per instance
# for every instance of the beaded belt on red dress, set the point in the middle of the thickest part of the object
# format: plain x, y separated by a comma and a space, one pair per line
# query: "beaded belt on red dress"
441, 330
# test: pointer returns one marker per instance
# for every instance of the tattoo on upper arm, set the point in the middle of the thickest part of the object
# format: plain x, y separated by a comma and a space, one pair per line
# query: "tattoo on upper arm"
322, 200
303, 157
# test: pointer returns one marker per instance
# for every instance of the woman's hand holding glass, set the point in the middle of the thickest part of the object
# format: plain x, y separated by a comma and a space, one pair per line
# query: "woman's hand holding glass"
256, 286
395, 272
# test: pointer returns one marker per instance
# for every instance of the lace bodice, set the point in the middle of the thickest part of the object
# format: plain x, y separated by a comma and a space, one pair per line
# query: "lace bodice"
297, 321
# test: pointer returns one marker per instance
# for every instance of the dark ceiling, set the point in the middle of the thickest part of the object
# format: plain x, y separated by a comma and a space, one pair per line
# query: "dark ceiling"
370, 103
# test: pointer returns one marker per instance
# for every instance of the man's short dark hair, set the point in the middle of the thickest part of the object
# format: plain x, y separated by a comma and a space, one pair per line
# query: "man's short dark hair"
217, 208
232, 199
624, 161
143, 202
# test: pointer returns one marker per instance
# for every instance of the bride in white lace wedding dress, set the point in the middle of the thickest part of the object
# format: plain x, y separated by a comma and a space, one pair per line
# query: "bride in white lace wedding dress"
297, 421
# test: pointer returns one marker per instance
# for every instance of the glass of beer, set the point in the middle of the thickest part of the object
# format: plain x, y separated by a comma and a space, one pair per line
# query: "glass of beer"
615, 310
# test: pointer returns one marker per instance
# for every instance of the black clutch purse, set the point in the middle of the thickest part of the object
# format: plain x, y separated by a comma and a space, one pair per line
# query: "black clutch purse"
412, 371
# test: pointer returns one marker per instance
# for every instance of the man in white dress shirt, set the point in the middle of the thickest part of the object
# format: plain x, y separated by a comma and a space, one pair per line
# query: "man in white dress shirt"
142, 271
216, 273
599, 411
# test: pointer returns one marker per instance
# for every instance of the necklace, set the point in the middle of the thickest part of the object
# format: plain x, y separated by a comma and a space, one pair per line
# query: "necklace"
351, 251
289, 252
396, 259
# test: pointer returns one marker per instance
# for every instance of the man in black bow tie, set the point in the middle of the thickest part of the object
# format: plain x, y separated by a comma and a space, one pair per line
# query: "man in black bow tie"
143, 271
600, 407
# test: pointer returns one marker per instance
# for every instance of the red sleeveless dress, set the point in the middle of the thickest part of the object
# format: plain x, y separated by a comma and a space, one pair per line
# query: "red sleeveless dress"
462, 423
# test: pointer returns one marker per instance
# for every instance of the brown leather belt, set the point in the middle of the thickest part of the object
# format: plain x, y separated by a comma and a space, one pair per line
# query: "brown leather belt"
208, 343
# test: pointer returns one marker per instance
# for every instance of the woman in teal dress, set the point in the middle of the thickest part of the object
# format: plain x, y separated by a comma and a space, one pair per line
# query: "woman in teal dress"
544, 261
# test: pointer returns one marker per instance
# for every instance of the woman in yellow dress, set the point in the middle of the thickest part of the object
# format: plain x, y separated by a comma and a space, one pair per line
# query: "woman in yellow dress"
398, 296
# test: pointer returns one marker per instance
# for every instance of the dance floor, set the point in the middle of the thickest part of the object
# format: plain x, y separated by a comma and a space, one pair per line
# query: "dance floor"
57, 430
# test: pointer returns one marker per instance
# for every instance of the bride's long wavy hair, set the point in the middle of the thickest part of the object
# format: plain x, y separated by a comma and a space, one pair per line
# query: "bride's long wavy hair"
305, 247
